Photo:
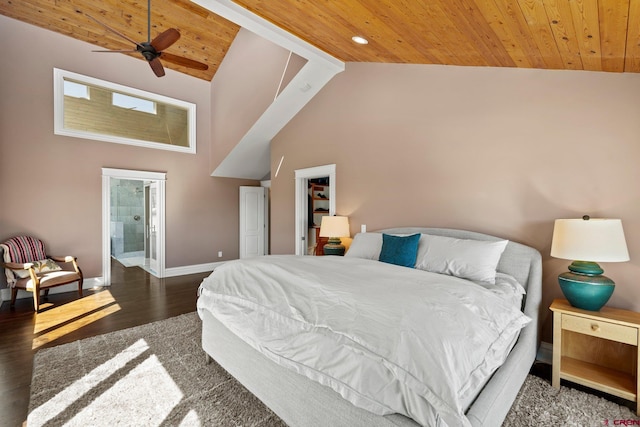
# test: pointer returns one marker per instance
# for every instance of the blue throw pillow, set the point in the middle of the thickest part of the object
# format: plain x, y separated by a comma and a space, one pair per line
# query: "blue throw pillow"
400, 250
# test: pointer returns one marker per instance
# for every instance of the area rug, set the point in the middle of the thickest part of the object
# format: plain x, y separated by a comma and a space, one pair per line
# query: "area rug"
539, 404
150, 375
157, 375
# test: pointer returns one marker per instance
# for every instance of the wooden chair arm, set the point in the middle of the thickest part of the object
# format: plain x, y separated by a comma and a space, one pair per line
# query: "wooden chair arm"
67, 258
16, 266
26, 266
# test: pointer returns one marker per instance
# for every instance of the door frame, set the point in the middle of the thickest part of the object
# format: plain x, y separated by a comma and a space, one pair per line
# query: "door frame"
267, 208
152, 265
107, 175
302, 177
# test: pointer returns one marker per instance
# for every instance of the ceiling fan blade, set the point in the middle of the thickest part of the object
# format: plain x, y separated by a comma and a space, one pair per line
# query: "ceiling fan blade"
157, 67
179, 60
165, 39
114, 31
115, 51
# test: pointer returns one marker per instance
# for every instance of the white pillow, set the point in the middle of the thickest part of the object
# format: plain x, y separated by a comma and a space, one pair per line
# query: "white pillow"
465, 258
42, 266
369, 245
366, 246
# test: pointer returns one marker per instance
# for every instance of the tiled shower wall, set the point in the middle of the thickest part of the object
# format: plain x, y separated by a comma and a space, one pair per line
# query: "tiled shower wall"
127, 216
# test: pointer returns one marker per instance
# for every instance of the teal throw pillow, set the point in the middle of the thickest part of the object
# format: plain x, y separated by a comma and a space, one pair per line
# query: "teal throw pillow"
400, 250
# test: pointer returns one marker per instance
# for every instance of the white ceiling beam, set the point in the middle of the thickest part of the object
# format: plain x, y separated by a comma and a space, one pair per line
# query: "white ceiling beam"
251, 158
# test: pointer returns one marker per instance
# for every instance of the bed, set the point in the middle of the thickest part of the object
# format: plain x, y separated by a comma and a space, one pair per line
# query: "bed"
304, 387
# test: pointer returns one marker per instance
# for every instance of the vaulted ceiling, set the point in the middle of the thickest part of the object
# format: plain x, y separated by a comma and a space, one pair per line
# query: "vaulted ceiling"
594, 35
204, 36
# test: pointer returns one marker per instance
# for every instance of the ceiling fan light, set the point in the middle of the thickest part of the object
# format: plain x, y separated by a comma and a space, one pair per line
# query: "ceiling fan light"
360, 40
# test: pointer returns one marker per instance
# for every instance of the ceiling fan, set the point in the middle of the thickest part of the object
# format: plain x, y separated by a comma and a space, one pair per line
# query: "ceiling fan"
153, 50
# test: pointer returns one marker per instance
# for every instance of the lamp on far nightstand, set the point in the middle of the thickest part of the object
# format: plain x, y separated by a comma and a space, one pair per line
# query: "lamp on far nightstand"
334, 227
588, 241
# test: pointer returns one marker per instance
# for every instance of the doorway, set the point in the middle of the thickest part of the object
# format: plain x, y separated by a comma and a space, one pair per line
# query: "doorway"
319, 190
303, 212
133, 215
127, 226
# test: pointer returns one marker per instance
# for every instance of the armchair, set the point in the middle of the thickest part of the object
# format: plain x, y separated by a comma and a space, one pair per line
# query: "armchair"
28, 267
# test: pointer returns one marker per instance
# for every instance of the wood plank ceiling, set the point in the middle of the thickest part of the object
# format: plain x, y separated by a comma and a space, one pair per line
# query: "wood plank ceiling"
204, 36
594, 35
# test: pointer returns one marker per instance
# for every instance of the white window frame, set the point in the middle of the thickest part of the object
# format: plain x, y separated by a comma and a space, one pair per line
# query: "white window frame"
58, 112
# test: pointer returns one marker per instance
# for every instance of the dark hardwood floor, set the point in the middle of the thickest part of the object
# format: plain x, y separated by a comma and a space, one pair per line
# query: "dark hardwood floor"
134, 298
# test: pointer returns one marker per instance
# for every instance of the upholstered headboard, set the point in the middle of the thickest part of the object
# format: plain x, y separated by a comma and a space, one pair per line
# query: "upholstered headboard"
518, 260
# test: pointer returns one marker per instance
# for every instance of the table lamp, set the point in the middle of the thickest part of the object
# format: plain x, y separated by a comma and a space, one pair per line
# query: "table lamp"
588, 241
334, 227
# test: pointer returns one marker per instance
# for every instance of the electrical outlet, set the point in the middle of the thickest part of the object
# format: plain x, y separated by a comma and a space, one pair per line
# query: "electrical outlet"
219, 254
363, 228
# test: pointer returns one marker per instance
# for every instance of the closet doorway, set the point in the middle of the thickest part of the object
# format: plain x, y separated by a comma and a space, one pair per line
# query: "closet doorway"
308, 198
133, 230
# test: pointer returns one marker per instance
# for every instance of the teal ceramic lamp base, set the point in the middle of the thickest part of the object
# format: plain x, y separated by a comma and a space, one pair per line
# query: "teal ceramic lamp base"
334, 246
585, 287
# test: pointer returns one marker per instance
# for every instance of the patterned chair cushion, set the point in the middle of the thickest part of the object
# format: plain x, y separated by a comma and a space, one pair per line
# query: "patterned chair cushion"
42, 266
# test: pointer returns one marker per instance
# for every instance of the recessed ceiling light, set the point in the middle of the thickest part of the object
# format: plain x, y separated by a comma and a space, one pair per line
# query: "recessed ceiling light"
360, 40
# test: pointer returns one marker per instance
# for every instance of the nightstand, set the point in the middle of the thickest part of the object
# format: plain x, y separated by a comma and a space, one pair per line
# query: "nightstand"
597, 349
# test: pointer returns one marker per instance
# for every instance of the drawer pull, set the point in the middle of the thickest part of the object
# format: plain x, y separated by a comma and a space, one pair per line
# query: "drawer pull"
595, 327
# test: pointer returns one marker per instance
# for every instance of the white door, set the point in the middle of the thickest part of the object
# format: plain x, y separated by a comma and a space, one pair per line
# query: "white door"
252, 221
152, 227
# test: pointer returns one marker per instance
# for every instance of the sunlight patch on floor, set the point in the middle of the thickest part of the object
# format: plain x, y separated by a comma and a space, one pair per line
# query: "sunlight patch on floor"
147, 394
191, 420
52, 408
56, 322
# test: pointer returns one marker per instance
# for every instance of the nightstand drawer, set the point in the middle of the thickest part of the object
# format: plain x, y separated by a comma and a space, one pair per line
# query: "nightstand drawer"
598, 328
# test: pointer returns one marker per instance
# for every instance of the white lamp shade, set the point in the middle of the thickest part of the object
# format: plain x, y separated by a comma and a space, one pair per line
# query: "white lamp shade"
334, 226
595, 239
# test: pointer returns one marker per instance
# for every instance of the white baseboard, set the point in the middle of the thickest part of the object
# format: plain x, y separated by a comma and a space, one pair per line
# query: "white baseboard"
191, 269
545, 353
90, 283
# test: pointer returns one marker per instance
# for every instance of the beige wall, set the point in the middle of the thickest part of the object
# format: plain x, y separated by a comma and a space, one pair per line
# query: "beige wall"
500, 151
50, 186
244, 86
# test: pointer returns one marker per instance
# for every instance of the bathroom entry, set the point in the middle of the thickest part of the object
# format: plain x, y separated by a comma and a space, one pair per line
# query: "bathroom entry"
128, 218
133, 220
134, 223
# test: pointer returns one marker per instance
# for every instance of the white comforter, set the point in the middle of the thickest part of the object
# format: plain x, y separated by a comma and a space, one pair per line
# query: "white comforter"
389, 339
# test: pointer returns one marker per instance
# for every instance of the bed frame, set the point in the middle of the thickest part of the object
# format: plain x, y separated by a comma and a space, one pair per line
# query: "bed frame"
299, 401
